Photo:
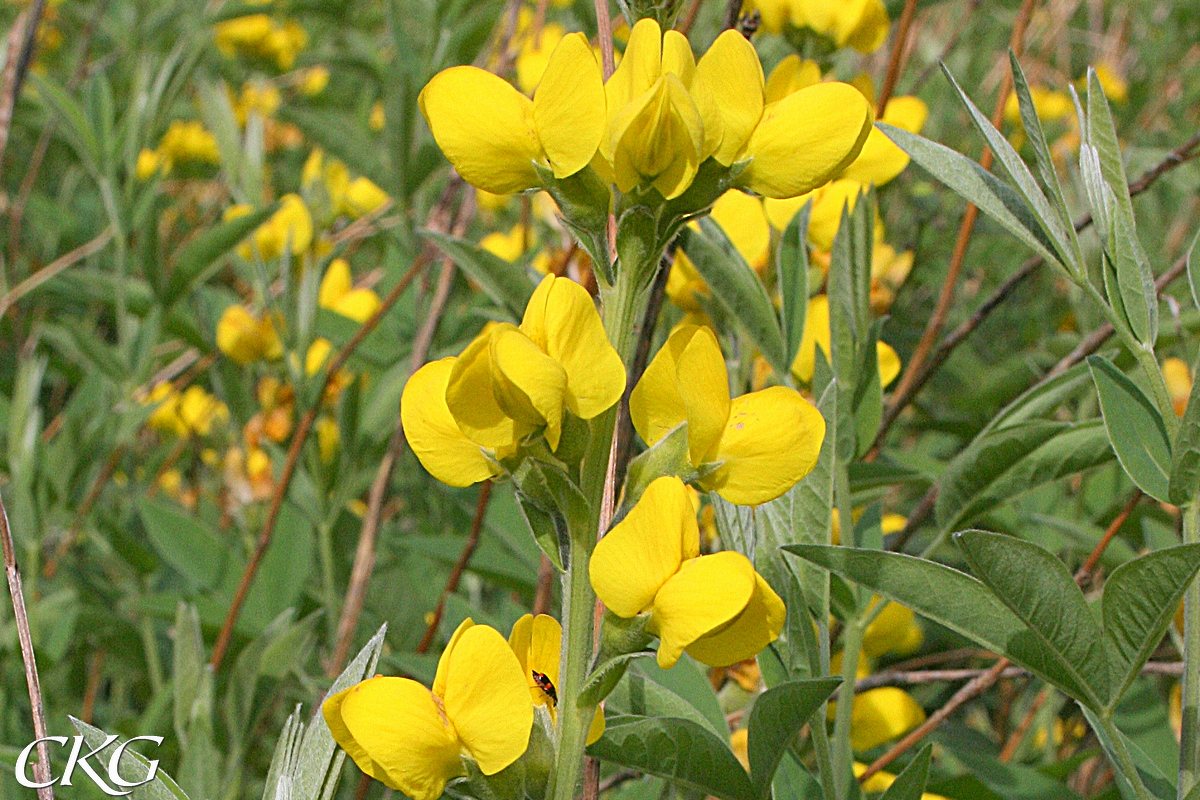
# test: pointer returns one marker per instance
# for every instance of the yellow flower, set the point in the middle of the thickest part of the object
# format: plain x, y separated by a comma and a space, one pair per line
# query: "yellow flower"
239, 33
791, 75
328, 438
535, 55
881, 159
199, 410
337, 293
1051, 105
739, 743
745, 223
150, 162
314, 81
493, 134
895, 630
880, 715
245, 338
1113, 85
1178, 377
508, 246
817, 333
318, 353
512, 381
889, 270
377, 118
764, 441
537, 641
716, 607
414, 739
361, 196
263, 99
290, 229
860, 24
164, 417
774, 14
189, 140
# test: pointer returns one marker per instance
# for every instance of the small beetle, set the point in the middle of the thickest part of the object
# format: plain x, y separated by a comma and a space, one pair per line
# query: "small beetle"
546, 685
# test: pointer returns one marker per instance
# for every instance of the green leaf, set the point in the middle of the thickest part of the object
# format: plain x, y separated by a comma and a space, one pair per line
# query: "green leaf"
668, 456
1013, 781
1193, 278
509, 285
197, 260
972, 182
950, 598
606, 676
185, 542
1140, 600
1026, 185
1184, 483
1135, 429
776, 718
1039, 589
133, 767
638, 696
791, 264
1001, 464
187, 666
910, 784
78, 130
680, 750
736, 288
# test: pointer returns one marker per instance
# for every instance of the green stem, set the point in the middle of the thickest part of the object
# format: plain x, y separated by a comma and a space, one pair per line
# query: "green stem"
1189, 746
1162, 397
329, 592
843, 753
1124, 760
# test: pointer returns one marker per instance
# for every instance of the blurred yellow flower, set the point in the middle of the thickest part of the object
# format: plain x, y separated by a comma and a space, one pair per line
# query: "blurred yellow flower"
492, 134
328, 438
245, 338
361, 196
413, 739
1112, 83
880, 781
150, 162
764, 441
880, 715
1051, 105
817, 333
716, 607
537, 641
739, 743
894, 631
744, 221
188, 140
337, 293
261, 36
263, 99
314, 80
508, 246
791, 75
289, 229
534, 55
194, 411
376, 119
315, 358
881, 160
1178, 377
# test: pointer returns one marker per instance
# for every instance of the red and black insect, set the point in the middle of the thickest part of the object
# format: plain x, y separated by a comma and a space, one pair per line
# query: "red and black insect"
546, 685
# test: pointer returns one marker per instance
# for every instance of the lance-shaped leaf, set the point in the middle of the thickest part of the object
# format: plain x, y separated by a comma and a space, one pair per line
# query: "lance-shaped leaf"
1002, 463
1039, 589
1185, 455
776, 718
974, 183
737, 288
133, 766
1140, 600
950, 598
1026, 185
680, 750
1134, 427
1160, 786
910, 784
200, 257
791, 264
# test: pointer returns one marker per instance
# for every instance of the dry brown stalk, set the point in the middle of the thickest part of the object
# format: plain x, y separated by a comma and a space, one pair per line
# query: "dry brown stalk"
896, 57
41, 769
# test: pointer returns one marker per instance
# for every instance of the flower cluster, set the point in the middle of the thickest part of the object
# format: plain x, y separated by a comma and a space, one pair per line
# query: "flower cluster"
860, 24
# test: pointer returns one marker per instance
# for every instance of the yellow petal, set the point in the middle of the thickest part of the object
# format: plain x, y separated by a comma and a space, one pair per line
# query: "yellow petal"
393, 730
880, 715
892, 632
432, 433
596, 729
780, 212
791, 75
562, 320
317, 355
889, 363
816, 332
657, 138
485, 127
707, 593
881, 160
806, 138
633, 561
487, 699
568, 106
1175, 371
677, 57
530, 386
756, 627
443, 667
637, 72
336, 282
744, 221
771, 441
686, 380
472, 400
732, 76
358, 304
826, 215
